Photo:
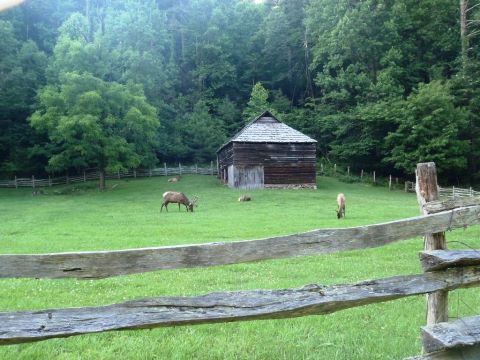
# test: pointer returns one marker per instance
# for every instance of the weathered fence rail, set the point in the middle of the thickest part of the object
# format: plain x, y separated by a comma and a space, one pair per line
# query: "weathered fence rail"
27, 326
443, 271
101, 264
95, 175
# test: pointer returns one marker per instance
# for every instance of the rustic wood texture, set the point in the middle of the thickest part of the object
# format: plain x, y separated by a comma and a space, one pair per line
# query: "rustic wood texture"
460, 333
444, 205
28, 326
283, 163
101, 264
427, 190
466, 353
434, 260
248, 177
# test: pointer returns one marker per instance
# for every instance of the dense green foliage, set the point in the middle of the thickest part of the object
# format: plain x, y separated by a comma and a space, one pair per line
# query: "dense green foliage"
57, 223
90, 122
381, 84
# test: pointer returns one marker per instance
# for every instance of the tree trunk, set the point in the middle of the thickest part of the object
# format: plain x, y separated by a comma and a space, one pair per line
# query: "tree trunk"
463, 32
101, 184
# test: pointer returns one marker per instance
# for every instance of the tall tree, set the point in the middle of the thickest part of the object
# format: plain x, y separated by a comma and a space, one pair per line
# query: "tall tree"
92, 123
258, 102
429, 130
22, 71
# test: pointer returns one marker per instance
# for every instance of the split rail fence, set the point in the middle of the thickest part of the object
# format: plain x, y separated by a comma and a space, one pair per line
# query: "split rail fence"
443, 271
95, 175
450, 192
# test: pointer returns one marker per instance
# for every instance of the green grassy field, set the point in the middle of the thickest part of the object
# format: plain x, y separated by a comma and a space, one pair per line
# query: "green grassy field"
128, 216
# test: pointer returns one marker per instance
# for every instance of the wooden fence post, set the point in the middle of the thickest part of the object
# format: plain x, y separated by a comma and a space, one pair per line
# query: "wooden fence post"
348, 170
374, 178
135, 173
16, 183
180, 168
390, 182
84, 176
427, 190
334, 169
165, 167
150, 172
453, 192
361, 175
33, 181
321, 168
211, 168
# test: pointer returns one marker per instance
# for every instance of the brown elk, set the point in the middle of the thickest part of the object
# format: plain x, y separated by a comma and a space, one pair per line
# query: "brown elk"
341, 206
179, 198
175, 179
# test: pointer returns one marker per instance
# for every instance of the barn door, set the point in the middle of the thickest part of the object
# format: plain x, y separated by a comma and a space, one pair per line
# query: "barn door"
248, 177
230, 176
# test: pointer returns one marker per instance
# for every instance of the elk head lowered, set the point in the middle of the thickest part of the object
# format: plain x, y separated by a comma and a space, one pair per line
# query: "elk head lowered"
179, 198
341, 206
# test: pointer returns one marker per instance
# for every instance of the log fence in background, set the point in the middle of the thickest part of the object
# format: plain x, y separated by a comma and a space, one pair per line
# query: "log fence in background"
95, 175
409, 186
443, 271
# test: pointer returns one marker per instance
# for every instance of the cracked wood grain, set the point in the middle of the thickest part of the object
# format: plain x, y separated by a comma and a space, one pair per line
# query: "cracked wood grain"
102, 264
435, 260
27, 326
450, 335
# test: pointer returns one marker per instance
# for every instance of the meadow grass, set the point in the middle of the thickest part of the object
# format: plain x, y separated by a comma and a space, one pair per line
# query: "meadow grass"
127, 215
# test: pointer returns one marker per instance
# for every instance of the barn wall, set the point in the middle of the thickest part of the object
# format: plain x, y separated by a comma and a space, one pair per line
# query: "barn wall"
283, 163
225, 159
247, 177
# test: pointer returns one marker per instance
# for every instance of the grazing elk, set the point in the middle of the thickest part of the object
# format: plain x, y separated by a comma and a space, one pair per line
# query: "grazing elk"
244, 198
179, 198
175, 179
341, 206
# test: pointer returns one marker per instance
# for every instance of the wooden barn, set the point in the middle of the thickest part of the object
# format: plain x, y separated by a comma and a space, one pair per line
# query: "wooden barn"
268, 153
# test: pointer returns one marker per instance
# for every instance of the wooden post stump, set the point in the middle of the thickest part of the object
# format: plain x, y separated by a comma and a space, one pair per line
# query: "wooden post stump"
427, 190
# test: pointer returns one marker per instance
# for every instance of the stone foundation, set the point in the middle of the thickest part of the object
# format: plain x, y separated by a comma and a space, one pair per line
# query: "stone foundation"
290, 186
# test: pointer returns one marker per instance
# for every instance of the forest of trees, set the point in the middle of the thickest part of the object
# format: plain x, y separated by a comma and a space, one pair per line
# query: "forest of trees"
116, 84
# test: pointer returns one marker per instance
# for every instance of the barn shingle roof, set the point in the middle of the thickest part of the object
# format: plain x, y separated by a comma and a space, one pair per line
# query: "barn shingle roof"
268, 129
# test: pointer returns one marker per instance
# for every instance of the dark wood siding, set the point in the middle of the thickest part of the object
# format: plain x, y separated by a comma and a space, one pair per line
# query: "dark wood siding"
225, 159
284, 163
225, 156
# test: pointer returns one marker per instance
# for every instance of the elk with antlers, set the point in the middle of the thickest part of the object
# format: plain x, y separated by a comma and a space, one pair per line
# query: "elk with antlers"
179, 198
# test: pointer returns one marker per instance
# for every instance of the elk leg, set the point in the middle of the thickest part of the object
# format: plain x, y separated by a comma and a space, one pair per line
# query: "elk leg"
166, 206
